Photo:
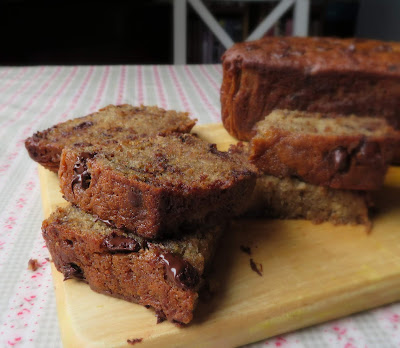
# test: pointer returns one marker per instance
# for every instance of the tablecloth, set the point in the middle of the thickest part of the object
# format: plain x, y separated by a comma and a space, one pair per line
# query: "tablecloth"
35, 98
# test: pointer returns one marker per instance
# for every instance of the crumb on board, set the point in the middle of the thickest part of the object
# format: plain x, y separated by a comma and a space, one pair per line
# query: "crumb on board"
33, 265
134, 340
256, 267
245, 249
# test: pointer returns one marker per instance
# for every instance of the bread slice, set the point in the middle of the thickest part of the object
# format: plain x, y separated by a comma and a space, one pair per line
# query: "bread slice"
290, 198
153, 186
345, 152
122, 122
166, 275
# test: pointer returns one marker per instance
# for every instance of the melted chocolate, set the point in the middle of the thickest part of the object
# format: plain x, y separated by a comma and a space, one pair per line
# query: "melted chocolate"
83, 177
256, 268
341, 160
181, 272
71, 270
120, 244
369, 153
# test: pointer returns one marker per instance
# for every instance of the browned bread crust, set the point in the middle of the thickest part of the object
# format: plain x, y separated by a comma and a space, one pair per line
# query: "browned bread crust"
290, 198
122, 122
344, 152
154, 185
347, 76
128, 267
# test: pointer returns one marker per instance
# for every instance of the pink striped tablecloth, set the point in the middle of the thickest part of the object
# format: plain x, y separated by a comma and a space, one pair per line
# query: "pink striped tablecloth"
35, 98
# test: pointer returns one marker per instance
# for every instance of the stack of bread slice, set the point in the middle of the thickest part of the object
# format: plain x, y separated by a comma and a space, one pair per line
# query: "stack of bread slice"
146, 211
318, 167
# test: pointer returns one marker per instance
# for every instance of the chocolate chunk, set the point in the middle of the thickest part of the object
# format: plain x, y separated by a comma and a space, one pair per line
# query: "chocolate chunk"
83, 177
83, 125
181, 272
120, 244
340, 159
134, 340
71, 270
256, 267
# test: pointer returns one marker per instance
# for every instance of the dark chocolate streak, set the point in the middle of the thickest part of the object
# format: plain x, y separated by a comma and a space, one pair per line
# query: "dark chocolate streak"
121, 244
181, 272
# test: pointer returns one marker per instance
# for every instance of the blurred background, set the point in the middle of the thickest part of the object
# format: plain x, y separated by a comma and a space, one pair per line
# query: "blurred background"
141, 32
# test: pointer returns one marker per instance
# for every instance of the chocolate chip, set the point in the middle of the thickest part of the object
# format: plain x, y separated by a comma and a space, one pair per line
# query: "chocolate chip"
340, 159
181, 272
83, 177
71, 270
120, 244
83, 125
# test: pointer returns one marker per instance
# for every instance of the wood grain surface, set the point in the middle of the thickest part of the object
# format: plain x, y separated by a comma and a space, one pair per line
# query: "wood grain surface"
311, 274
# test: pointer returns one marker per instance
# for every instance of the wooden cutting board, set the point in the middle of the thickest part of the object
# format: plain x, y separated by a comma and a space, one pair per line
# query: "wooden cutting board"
311, 274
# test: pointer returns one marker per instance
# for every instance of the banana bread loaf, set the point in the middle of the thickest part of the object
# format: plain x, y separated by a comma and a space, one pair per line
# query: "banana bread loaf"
153, 185
290, 198
345, 152
120, 122
166, 275
347, 76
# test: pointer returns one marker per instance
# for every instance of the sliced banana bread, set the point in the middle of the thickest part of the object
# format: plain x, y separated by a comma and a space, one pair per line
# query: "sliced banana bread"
164, 275
154, 185
122, 122
345, 152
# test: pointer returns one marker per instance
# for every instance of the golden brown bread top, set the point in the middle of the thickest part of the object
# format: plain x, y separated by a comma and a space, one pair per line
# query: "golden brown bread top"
121, 122
317, 54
